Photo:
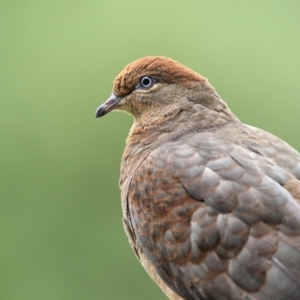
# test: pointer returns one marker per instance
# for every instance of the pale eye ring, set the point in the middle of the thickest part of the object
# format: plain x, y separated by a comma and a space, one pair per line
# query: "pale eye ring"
146, 82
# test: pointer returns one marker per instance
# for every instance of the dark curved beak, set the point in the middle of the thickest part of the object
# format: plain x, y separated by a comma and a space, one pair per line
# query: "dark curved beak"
107, 106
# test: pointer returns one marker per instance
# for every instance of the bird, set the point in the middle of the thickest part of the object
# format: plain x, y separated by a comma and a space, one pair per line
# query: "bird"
211, 206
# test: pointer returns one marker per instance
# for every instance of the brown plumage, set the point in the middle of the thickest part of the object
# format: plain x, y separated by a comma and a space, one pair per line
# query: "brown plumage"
169, 71
210, 205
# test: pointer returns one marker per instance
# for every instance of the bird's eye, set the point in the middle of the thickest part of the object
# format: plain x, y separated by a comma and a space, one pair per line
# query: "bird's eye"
146, 82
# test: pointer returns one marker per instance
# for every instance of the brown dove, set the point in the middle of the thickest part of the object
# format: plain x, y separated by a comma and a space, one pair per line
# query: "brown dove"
210, 205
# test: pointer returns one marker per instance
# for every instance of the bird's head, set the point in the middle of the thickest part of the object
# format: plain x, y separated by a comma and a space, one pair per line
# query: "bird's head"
157, 87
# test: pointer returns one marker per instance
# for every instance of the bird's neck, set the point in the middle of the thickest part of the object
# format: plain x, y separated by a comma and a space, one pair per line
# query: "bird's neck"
144, 138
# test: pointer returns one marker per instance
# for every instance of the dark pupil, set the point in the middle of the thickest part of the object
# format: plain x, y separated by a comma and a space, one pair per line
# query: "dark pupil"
146, 81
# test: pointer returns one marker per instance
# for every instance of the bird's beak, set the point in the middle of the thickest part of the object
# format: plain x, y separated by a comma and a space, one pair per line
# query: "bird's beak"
107, 106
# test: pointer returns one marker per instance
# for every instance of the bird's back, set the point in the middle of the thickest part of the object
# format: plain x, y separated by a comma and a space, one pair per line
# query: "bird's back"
218, 215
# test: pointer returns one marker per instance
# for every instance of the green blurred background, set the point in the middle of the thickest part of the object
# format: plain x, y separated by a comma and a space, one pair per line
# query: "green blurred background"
60, 217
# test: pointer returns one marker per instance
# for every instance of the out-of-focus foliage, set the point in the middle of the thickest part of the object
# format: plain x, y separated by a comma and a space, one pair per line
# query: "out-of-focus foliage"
60, 217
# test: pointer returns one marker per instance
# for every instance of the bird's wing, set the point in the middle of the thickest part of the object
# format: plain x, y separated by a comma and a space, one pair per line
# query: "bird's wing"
218, 224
